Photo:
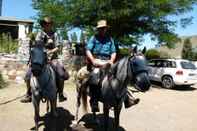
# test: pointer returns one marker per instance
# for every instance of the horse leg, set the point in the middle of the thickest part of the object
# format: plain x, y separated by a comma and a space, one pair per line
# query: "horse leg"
36, 104
78, 104
47, 108
53, 107
79, 88
117, 117
106, 116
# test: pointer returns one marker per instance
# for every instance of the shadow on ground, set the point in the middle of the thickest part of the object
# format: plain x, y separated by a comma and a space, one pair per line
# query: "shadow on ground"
177, 88
90, 124
61, 123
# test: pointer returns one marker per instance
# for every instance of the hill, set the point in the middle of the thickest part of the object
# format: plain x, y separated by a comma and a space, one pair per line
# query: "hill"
176, 51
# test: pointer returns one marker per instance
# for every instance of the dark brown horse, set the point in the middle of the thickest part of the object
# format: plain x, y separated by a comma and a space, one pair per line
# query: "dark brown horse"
113, 87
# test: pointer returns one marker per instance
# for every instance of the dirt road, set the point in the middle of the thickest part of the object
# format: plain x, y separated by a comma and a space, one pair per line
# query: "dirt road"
159, 110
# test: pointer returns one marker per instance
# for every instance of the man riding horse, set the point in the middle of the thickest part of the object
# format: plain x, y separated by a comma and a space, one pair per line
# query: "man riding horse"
100, 51
50, 40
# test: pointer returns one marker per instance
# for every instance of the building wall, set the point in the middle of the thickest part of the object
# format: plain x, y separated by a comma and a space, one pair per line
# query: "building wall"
24, 30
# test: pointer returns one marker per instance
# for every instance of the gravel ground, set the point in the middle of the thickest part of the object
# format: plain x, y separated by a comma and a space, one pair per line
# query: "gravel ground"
159, 110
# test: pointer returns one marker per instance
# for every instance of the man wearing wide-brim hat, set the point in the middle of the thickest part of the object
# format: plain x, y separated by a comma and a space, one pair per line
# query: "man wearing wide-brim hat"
100, 51
50, 41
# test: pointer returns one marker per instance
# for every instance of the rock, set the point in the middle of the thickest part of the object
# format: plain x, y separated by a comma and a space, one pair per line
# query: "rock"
12, 74
20, 73
4, 72
19, 79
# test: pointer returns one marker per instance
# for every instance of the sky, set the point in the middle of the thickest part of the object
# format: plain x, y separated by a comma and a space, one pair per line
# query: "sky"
22, 9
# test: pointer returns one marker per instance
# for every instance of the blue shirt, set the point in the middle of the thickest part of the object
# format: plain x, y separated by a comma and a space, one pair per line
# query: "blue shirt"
104, 47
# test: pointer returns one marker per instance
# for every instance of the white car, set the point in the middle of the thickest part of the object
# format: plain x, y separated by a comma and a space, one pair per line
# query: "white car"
172, 72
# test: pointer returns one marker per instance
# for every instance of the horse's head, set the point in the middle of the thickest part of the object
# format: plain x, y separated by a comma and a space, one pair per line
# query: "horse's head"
38, 59
139, 72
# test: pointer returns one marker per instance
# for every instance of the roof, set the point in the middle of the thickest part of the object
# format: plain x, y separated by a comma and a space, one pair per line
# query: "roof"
171, 59
2, 18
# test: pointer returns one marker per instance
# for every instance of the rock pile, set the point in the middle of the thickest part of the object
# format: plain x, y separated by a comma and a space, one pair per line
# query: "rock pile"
11, 68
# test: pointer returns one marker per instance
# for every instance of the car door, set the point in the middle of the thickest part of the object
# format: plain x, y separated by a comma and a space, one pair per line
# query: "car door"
152, 69
158, 70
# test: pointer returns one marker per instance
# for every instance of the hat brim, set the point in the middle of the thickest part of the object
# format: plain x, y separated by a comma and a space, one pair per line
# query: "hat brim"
101, 26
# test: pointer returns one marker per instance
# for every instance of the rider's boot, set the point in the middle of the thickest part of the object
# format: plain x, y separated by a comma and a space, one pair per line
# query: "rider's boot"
61, 90
130, 100
27, 97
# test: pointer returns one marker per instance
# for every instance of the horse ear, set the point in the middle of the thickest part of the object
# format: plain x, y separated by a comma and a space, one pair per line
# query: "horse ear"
135, 49
144, 50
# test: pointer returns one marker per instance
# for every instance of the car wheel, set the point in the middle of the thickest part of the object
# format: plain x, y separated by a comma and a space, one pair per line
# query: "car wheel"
167, 82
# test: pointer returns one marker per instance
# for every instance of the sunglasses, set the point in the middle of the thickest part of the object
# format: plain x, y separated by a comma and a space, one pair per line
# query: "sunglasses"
47, 23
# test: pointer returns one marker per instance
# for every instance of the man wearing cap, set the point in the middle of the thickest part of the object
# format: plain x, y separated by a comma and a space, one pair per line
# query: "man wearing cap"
51, 42
100, 51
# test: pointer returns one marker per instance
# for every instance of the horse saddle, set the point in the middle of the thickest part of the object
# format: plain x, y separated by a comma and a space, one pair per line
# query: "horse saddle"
98, 74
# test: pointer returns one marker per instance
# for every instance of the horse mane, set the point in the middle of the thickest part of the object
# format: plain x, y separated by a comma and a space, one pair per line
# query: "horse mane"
119, 69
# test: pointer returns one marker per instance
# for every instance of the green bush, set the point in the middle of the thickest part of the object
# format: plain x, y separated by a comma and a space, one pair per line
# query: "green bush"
2, 82
7, 44
152, 54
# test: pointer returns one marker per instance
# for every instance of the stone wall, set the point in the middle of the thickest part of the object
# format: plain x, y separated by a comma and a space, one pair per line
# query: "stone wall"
14, 66
11, 68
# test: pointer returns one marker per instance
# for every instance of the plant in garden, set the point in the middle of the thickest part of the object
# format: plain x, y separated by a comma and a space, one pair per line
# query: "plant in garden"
7, 44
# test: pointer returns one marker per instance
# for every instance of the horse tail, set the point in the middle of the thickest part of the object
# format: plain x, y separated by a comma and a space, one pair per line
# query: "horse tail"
82, 93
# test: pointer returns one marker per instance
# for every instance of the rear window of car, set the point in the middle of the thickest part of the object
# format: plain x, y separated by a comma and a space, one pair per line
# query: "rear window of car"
187, 65
162, 63
169, 64
151, 63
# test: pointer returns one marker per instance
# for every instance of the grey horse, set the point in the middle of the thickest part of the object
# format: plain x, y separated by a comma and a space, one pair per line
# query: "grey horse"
113, 85
43, 83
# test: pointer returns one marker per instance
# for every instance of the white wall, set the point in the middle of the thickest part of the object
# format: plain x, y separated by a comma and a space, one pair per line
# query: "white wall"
23, 30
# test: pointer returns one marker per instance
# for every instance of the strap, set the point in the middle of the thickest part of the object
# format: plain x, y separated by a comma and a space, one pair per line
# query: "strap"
94, 43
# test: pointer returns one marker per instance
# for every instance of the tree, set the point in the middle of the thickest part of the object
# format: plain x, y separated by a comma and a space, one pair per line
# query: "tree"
187, 50
128, 20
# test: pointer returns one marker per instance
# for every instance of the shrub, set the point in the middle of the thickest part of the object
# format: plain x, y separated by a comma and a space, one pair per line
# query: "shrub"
7, 44
152, 54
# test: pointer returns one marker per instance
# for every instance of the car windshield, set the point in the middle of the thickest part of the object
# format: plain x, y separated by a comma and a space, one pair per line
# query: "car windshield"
187, 65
